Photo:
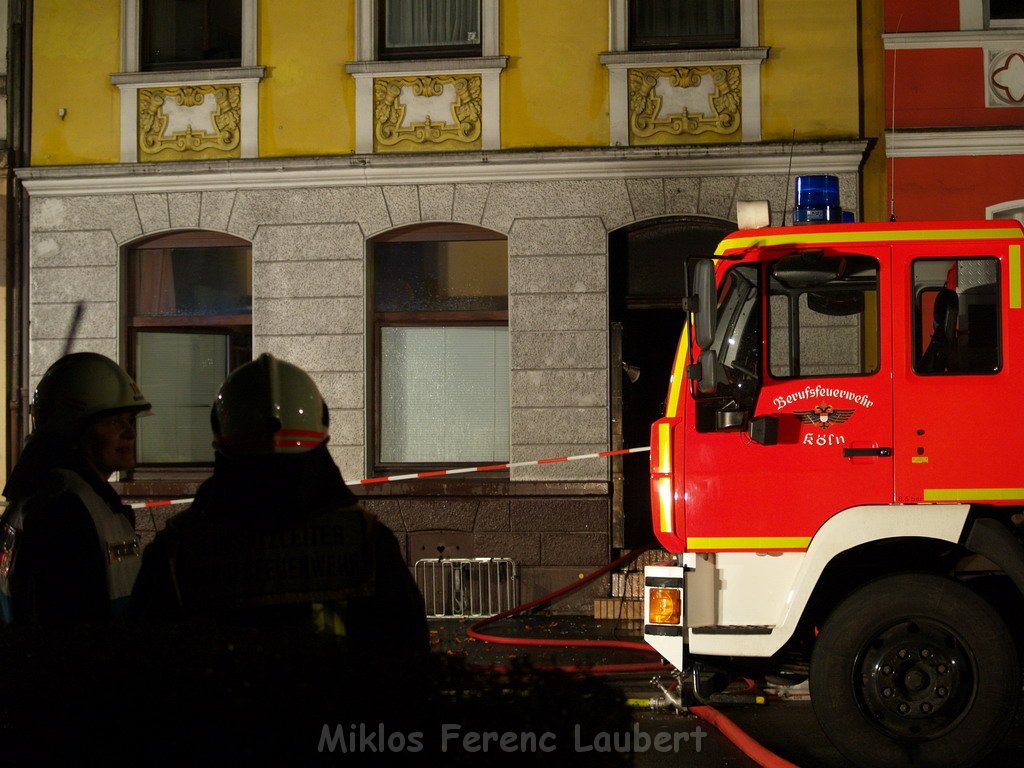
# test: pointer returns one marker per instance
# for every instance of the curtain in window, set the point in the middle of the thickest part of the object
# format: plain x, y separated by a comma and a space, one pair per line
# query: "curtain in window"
445, 394
180, 374
432, 23
156, 289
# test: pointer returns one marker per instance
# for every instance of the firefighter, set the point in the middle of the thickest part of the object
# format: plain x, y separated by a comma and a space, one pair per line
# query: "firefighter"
68, 548
275, 537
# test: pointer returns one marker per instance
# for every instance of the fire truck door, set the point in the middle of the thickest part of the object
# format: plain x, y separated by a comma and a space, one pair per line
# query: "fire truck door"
956, 369
825, 375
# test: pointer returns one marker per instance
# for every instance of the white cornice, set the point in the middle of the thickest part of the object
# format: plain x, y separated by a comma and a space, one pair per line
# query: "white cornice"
973, 38
469, 167
954, 143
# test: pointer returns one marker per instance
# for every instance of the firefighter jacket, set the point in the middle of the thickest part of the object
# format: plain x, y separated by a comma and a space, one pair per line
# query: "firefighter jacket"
282, 541
310, 570
68, 552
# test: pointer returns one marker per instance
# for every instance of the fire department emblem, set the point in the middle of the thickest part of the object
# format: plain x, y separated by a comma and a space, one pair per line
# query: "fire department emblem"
824, 416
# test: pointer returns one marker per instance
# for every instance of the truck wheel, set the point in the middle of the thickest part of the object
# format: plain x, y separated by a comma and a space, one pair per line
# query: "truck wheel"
914, 669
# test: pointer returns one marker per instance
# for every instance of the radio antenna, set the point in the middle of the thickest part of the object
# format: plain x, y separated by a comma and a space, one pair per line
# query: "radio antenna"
892, 131
789, 176
73, 328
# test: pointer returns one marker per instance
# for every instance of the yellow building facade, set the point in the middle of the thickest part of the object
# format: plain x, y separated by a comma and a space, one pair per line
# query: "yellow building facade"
347, 173
554, 65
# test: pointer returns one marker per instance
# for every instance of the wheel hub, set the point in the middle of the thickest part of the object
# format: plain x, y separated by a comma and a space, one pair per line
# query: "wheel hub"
917, 679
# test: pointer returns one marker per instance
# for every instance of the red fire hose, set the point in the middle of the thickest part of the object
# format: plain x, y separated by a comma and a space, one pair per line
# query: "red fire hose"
751, 748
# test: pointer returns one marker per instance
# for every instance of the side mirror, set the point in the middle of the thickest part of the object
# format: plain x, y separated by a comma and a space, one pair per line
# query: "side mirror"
706, 372
729, 419
764, 430
706, 313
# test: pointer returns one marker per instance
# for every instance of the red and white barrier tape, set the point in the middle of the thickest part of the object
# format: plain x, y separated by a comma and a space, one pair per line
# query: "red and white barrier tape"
436, 473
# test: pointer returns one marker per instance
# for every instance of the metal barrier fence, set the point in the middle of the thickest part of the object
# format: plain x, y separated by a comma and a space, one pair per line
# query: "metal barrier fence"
466, 587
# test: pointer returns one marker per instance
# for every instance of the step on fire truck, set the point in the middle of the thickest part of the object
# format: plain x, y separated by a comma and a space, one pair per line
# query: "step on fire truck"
836, 478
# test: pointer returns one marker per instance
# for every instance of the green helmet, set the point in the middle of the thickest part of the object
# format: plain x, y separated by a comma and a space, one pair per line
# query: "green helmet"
268, 406
81, 385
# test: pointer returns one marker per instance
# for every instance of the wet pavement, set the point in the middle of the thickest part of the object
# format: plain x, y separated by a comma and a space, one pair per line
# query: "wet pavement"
788, 728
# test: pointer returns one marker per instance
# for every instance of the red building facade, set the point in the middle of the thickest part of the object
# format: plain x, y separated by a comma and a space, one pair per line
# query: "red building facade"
955, 108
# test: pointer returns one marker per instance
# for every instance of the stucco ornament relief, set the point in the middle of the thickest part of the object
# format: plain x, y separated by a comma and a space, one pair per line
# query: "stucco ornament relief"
190, 118
1007, 76
683, 101
427, 110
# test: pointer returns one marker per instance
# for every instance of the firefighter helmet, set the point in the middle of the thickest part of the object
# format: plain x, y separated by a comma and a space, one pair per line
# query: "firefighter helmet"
81, 385
268, 406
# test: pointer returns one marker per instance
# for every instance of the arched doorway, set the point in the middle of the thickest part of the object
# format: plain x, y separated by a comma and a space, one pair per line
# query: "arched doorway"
646, 287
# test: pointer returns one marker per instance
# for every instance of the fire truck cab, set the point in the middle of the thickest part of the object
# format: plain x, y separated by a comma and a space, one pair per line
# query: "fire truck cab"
836, 479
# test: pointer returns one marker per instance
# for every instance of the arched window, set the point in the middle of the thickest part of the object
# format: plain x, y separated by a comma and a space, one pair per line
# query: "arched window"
440, 322
189, 317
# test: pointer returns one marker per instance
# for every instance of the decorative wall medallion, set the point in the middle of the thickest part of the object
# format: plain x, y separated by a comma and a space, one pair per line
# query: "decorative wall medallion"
189, 119
1006, 77
427, 112
684, 101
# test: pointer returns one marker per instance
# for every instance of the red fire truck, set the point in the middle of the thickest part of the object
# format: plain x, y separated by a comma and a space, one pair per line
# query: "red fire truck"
836, 476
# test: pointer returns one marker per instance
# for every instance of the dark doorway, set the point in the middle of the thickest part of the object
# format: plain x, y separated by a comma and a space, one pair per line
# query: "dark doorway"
646, 287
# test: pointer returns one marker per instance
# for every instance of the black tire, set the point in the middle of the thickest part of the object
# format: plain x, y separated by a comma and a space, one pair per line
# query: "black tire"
914, 669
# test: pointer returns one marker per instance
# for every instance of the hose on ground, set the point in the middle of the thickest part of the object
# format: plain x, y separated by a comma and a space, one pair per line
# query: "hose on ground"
473, 631
736, 735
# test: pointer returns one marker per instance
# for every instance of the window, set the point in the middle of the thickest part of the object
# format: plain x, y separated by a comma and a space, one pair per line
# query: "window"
1005, 13
190, 34
420, 29
670, 24
440, 313
956, 316
821, 325
189, 325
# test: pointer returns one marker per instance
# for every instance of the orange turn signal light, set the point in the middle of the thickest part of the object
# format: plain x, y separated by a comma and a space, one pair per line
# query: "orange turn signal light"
665, 606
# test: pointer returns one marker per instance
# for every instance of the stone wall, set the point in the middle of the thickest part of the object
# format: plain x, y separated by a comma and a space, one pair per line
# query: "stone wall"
310, 306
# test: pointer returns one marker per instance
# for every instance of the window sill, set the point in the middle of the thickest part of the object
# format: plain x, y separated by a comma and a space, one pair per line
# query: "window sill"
687, 56
232, 74
477, 64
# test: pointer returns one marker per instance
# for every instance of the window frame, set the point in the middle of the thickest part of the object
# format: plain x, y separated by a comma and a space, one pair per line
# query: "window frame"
368, 26
636, 43
919, 344
145, 27
795, 295
384, 53
130, 80
377, 321
1013, 22
234, 325
131, 38
619, 60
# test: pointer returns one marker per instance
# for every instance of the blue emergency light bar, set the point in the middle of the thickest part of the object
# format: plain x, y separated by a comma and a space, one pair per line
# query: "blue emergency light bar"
817, 201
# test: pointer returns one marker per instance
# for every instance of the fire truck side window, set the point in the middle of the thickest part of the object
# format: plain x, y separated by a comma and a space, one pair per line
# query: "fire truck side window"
828, 329
956, 316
